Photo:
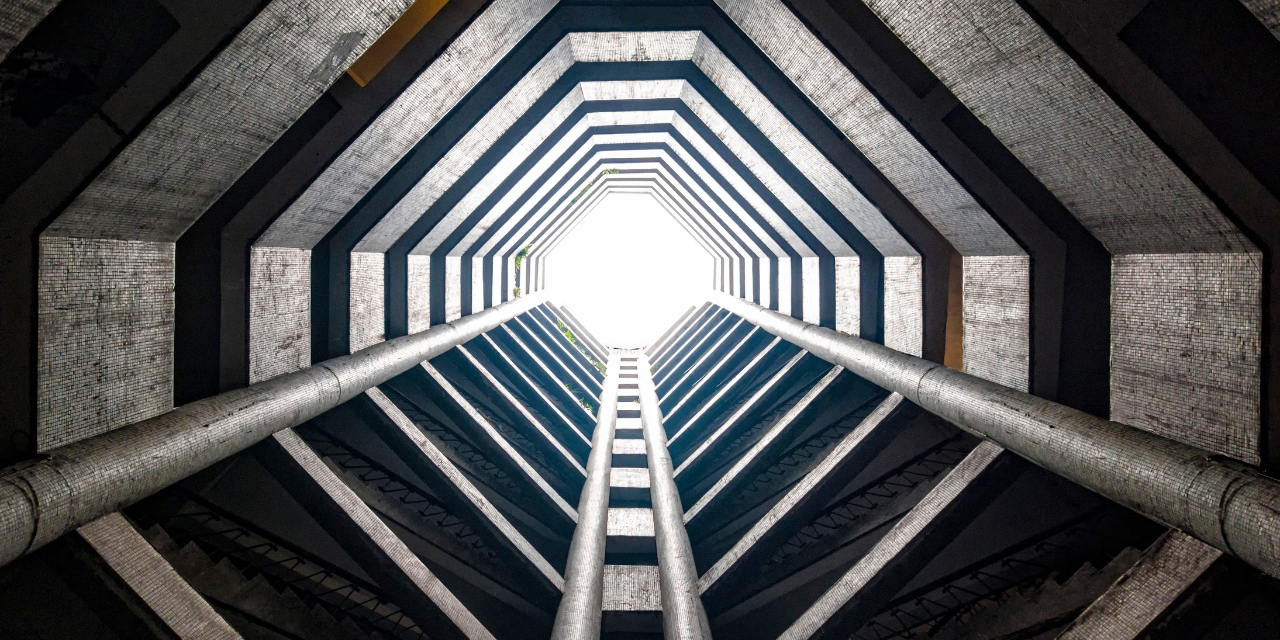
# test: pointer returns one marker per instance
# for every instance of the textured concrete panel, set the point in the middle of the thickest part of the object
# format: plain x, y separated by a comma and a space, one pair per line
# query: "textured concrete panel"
150, 576
279, 311
628, 447
633, 522
904, 305
784, 285
367, 313
880, 137
1268, 11
630, 587
1186, 349
812, 290
105, 321
482, 505
764, 171
478, 140
452, 288
997, 319
628, 477
1061, 125
18, 18
1130, 196
1145, 592
233, 111
815, 166
633, 46
477, 284
848, 296
403, 124
419, 293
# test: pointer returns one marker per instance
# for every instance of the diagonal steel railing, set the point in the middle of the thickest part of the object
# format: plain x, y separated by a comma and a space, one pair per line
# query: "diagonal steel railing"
44, 498
1224, 503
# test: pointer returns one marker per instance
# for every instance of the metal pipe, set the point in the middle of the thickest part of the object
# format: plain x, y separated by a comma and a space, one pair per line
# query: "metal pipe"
683, 616
1222, 502
43, 498
578, 617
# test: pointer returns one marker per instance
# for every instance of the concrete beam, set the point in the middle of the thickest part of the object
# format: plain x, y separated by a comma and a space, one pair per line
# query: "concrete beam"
743, 466
675, 329
186, 613
798, 494
500, 441
724, 389
1231, 506
463, 485
1138, 600
75, 484
523, 411
764, 390
541, 394
367, 538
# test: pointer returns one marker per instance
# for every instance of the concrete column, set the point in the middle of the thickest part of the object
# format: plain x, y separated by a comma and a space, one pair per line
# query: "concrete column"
683, 616
579, 615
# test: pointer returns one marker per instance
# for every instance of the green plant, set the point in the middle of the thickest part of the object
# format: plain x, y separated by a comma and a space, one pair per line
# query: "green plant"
579, 395
583, 190
520, 256
581, 349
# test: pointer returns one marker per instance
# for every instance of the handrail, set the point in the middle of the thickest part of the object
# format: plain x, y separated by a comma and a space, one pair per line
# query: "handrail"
1224, 503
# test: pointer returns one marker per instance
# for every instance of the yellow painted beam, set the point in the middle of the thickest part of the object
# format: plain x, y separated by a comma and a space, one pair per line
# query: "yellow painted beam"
393, 40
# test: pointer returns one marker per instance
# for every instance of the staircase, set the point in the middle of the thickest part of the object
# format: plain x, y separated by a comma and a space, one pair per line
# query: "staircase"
1037, 612
266, 590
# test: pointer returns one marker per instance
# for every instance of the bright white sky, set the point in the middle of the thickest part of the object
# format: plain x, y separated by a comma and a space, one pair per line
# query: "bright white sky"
628, 271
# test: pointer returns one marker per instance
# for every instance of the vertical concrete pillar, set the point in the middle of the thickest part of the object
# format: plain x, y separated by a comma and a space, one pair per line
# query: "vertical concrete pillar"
683, 616
578, 617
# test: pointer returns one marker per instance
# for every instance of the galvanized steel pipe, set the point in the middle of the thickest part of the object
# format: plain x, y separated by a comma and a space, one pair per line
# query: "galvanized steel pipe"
579, 615
1220, 501
43, 498
683, 616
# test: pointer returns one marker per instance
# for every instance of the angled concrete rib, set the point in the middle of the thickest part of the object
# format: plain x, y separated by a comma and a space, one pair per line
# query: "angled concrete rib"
1165, 572
542, 395
777, 512
501, 441
418, 590
726, 388
463, 484
854, 585
524, 411
151, 577
737, 415
710, 375
750, 458
1225, 504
